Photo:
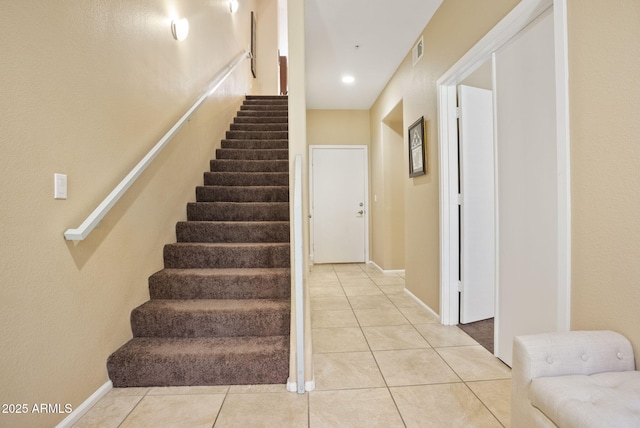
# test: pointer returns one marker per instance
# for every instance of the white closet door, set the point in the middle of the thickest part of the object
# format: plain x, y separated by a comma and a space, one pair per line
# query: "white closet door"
478, 250
527, 185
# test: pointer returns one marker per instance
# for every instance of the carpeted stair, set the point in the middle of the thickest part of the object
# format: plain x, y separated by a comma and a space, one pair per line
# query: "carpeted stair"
219, 310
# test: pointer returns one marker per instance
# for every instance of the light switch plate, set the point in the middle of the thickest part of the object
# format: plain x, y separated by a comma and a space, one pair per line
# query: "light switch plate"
60, 186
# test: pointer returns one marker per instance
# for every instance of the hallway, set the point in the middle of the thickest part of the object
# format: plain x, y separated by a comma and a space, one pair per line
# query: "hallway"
381, 360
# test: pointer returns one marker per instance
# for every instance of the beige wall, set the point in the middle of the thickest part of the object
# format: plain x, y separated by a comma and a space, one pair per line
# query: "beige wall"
338, 127
267, 47
604, 65
87, 89
454, 29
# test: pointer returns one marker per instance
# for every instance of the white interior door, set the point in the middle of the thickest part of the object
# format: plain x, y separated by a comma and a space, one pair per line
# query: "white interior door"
527, 152
477, 213
338, 204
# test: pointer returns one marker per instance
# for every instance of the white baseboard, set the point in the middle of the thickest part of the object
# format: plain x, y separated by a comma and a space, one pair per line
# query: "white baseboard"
421, 303
400, 271
83, 408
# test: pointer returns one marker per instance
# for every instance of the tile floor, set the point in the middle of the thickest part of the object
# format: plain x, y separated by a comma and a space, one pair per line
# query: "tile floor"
381, 360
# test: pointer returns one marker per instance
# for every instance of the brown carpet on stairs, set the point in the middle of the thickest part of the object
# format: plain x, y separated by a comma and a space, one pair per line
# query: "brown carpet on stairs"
219, 310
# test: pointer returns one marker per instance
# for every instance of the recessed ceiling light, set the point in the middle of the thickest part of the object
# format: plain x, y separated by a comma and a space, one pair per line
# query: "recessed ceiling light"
348, 79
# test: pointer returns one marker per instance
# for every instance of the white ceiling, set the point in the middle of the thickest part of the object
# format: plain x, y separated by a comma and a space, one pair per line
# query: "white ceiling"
384, 30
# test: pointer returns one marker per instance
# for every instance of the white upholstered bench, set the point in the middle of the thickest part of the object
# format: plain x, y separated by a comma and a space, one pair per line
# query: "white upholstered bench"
577, 379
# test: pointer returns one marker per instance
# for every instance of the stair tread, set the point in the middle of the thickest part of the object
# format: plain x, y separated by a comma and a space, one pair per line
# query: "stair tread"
224, 271
214, 305
236, 223
180, 347
229, 244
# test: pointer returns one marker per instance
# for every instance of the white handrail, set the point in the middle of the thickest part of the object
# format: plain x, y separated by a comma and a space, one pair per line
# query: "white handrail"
101, 210
298, 272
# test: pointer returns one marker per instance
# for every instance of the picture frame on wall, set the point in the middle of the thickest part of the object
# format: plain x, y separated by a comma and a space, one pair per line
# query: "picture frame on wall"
253, 44
417, 161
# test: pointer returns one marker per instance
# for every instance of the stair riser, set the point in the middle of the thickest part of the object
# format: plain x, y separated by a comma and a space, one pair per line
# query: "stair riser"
242, 194
257, 135
128, 368
280, 108
216, 324
266, 97
229, 165
255, 144
222, 211
241, 154
246, 179
262, 113
229, 232
263, 127
201, 256
264, 102
167, 285
261, 119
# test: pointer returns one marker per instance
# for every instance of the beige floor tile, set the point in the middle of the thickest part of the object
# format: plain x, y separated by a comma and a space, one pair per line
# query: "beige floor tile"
252, 389
370, 302
474, 363
322, 276
321, 268
340, 318
388, 280
350, 275
366, 408
346, 370
189, 390
496, 395
419, 315
329, 303
373, 271
363, 290
109, 412
174, 411
323, 284
357, 282
387, 337
118, 392
402, 300
392, 289
265, 410
439, 335
348, 267
448, 405
380, 316
330, 290
348, 339
413, 367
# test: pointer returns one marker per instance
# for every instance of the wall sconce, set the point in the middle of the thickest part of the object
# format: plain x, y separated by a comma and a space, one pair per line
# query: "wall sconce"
233, 6
180, 29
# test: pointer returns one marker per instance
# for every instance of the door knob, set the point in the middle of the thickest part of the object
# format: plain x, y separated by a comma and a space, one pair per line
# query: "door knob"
360, 212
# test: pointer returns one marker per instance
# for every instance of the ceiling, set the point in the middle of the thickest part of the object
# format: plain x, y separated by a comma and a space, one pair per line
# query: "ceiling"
367, 39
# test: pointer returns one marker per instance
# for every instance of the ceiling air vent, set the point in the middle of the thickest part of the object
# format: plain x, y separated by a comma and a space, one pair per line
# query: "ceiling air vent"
418, 50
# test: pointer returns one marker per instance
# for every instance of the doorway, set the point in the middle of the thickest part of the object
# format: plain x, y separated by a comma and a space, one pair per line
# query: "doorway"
339, 226
526, 244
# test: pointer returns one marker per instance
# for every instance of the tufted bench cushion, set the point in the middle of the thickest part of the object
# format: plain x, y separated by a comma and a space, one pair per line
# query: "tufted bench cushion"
610, 399
574, 379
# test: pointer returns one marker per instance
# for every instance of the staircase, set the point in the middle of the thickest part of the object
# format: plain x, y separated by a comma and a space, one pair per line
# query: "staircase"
219, 310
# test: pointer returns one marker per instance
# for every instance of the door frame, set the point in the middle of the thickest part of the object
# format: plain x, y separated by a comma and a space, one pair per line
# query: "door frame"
365, 153
522, 15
